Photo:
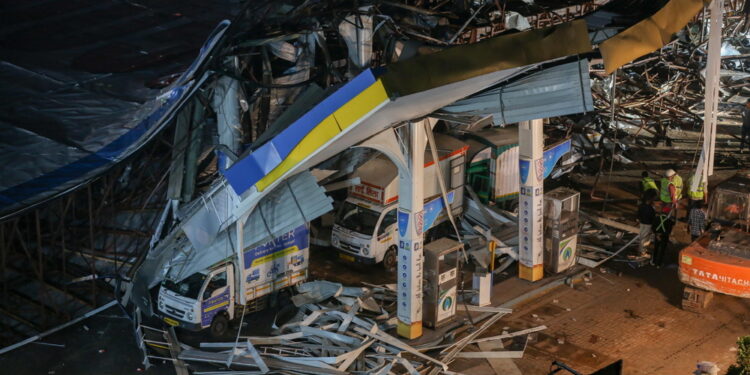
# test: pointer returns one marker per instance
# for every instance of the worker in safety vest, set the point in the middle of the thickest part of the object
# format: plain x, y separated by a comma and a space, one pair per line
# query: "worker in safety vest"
647, 183
699, 195
663, 224
671, 187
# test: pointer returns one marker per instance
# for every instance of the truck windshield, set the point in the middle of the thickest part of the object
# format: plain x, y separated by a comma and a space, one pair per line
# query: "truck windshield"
357, 218
190, 287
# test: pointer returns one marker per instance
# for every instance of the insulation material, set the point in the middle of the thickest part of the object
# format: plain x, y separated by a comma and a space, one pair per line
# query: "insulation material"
648, 35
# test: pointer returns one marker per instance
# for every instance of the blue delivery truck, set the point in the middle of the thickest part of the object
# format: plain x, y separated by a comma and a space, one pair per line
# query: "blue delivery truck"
211, 298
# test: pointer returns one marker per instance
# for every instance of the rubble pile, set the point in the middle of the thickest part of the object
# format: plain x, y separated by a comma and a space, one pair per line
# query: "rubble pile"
662, 92
343, 330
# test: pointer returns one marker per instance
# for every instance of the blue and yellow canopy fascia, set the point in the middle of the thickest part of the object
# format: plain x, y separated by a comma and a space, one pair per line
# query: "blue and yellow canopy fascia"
334, 114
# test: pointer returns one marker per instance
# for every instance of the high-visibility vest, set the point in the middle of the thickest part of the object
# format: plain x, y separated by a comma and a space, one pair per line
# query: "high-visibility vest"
698, 193
648, 183
661, 227
677, 181
664, 196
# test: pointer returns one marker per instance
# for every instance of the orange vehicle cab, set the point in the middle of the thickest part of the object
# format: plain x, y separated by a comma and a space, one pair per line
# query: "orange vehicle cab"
719, 265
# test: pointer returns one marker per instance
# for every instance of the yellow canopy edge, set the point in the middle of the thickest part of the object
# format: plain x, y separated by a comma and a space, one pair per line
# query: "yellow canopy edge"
648, 35
331, 126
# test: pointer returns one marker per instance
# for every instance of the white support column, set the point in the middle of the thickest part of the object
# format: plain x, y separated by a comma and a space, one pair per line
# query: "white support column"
705, 166
240, 254
531, 200
410, 221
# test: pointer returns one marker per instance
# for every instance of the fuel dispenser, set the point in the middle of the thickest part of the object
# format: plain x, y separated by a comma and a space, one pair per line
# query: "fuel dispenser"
560, 229
441, 270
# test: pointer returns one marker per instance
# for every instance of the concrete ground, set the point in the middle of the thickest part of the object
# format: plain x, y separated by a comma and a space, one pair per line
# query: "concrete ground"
621, 313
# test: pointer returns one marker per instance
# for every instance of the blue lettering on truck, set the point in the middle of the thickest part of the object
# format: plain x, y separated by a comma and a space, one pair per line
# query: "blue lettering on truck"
214, 305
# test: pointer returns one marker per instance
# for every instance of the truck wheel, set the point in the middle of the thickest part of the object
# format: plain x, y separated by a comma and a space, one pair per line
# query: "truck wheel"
389, 260
219, 326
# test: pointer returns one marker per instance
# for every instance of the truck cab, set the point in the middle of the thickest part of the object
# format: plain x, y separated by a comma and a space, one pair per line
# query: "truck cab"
194, 302
364, 232
211, 297
365, 227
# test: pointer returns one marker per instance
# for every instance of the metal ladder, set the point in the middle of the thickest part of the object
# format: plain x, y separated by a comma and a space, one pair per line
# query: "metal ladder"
170, 343
140, 338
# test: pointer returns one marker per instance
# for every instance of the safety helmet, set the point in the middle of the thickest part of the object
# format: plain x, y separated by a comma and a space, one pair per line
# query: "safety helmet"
669, 173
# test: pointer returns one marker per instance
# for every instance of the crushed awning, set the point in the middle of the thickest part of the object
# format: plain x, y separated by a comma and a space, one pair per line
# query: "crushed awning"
555, 91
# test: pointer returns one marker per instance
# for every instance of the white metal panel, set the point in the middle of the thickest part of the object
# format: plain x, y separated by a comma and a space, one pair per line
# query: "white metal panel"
506, 174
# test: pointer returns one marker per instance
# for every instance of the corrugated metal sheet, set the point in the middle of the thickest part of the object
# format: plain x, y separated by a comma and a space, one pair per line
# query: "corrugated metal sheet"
506, 175
556, 91
293, 203
296, 201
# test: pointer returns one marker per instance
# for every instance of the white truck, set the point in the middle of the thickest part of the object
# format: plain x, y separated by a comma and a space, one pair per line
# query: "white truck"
365, 228
214, 296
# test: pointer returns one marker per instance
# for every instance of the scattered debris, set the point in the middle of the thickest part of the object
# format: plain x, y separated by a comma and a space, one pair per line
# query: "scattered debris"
339, 330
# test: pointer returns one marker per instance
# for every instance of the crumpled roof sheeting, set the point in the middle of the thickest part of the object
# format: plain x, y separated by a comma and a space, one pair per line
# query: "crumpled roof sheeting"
363, 95
296, 202
79, 90
60, 162
493, 54
555, 91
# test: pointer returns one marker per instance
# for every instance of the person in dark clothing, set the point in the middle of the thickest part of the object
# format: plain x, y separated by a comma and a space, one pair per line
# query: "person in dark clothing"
697, 221
646, 215
664, 224
745, 125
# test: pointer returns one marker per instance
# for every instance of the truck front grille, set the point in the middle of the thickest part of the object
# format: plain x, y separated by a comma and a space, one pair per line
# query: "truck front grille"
349, 247
177, 313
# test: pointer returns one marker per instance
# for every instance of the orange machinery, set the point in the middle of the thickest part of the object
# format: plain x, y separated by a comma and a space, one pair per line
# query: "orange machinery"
719, 261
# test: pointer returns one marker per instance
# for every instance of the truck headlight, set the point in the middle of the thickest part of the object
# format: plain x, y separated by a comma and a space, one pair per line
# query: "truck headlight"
366, 250
335, 241
161, 305
190, 316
